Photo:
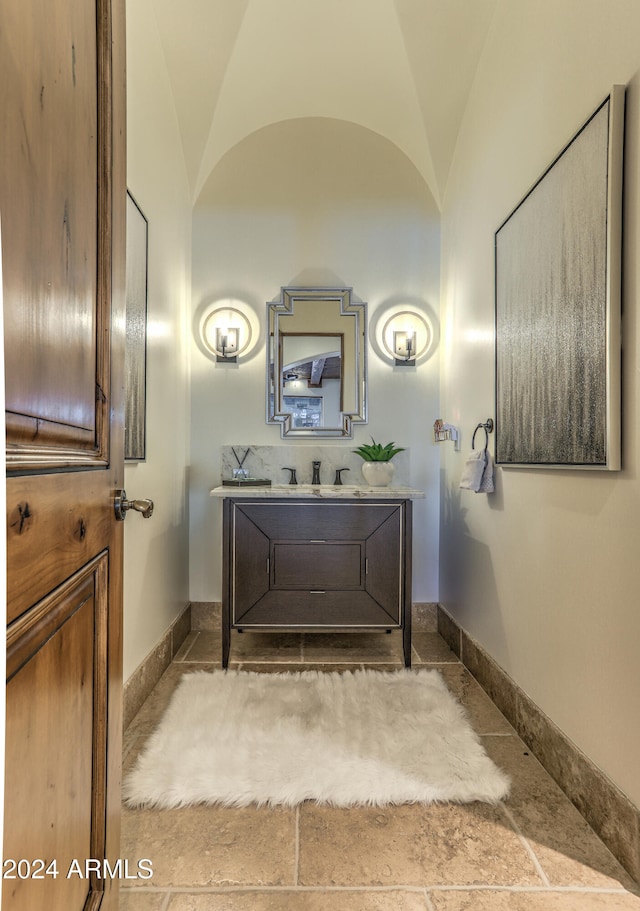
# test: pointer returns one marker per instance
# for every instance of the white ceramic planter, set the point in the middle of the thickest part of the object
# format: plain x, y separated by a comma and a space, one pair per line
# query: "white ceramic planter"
378, 474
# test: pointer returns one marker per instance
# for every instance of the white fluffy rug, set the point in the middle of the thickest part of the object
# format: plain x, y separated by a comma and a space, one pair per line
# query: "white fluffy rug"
361, 738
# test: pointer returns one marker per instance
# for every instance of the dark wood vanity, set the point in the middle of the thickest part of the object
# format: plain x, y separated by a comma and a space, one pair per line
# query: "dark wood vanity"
316, 564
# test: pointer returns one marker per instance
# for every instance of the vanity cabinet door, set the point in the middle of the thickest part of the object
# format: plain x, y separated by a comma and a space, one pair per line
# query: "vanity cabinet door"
250, 577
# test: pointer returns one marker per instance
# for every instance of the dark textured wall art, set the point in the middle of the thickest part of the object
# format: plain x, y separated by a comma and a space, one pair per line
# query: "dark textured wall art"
557, 262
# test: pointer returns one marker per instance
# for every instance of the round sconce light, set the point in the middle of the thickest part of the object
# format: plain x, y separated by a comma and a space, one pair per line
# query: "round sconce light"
228, 331
405, 336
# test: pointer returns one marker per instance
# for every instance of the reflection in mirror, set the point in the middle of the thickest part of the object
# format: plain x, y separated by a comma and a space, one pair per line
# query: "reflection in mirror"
316, 371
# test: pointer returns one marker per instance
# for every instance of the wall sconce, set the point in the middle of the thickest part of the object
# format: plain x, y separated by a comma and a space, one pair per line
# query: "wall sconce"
226, 332
227, 339
404, 347
405, 337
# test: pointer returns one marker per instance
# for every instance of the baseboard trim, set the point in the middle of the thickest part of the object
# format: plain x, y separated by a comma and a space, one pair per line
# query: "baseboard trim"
206, 616
609, 812
138, 687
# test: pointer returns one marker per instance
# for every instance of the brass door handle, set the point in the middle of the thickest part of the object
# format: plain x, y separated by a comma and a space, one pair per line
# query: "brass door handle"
122, 506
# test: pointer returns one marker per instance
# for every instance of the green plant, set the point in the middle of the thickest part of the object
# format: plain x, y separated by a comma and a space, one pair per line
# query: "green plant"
376, 452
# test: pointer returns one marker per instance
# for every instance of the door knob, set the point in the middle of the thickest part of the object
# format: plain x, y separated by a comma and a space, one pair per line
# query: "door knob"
122, 506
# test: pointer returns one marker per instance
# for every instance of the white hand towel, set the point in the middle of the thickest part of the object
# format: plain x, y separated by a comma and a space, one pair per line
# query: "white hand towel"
487, 483
473, 471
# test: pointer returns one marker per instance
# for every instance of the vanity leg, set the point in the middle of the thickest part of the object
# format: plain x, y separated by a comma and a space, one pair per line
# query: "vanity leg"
226, 644
406, 645
408, 599
226, 583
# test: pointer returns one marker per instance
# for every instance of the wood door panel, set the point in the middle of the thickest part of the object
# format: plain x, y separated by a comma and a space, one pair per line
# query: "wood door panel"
49, 209
56, 200
56, 725
65, 529
25, 432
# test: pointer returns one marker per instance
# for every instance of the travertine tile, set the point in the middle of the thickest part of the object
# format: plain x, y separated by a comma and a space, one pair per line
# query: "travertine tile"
356, 648
206, 615
424, 616
259, 668
180, 630
606, 809
430, 648
449, 631
186, 646
203, 846
411, 845
534, 853
490, 676
483, 715
274, 648
302, 900
206, 647
491, 900
141, 901
144, 678
568, 850
151, 712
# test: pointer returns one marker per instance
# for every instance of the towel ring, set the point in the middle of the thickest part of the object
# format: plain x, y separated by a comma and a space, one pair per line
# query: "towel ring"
487, 426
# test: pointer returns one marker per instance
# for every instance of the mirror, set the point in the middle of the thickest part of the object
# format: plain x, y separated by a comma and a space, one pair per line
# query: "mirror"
316, 370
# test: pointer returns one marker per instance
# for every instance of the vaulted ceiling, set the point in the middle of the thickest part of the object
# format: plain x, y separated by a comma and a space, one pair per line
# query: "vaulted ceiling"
402, 68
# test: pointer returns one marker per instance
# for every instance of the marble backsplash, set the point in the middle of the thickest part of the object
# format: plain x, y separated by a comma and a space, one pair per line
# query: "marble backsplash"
270, 461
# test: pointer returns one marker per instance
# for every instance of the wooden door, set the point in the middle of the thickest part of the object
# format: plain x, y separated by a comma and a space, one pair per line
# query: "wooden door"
62, 204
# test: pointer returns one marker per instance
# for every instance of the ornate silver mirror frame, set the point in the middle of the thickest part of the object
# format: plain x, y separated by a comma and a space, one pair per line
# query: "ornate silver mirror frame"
316, 363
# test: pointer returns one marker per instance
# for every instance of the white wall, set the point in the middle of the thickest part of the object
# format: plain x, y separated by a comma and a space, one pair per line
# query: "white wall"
156, 550
544, 574
314, 201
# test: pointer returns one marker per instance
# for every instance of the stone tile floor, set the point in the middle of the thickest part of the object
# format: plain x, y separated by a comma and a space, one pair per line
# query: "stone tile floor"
534, 852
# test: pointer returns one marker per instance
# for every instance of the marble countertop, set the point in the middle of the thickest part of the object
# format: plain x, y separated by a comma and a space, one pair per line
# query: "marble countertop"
322, 491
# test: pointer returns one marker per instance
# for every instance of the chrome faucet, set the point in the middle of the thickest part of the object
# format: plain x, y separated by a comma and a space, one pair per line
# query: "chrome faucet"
316, 473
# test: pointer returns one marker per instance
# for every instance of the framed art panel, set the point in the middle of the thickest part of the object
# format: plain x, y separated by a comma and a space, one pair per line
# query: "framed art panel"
558, 303
136, 341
